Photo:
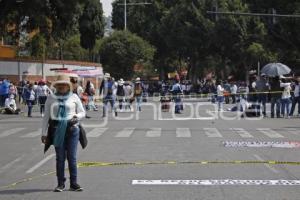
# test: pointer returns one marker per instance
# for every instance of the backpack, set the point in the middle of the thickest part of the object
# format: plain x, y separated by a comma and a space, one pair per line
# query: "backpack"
109, 86
120, 91
138, 90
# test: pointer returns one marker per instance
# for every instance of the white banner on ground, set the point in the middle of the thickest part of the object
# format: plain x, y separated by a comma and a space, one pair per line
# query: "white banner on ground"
257, 144
217, 182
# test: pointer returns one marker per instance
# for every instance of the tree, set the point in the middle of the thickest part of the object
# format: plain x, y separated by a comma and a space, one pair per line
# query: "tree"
122, 51
91, 24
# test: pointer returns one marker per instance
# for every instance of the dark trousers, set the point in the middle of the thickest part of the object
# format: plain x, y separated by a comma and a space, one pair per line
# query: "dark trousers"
296, 100
262, 100
2, 99
275, 101
178, 104
30, 104
68, 151
42, 101
106, 100
10, 111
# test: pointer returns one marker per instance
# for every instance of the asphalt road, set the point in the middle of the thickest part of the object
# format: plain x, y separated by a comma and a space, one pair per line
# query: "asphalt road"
154, 149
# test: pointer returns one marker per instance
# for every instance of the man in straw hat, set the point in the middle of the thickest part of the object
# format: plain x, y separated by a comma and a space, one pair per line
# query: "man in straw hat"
107, 87
63, 110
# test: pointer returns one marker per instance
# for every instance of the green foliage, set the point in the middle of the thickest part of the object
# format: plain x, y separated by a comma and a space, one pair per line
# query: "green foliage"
91, 24
122, 51
38, 46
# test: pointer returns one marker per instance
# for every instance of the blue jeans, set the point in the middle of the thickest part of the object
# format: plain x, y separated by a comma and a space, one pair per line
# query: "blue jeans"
177, 104
138, 103
106, 100
220, 100
296, 100
91, 103
262, 100
285, 106
275, 101
30, 104
68, 151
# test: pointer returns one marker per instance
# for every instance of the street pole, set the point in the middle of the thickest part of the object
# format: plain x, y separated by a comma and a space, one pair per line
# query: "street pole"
125, 15
125, 4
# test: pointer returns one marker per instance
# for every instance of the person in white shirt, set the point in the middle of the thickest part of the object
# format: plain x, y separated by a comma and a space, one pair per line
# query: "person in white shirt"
128, 95
233, 91
220, 95
11, 106
285, 98
43, 92
63, 111
296, 97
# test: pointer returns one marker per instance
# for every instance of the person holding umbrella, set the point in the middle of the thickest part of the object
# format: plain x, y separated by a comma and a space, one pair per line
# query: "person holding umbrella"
61, 127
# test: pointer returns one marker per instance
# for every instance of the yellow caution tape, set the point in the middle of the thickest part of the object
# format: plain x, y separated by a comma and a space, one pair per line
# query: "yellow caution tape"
107, 164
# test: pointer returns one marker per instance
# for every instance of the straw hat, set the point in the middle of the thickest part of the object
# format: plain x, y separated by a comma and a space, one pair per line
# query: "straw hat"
62, 79
107, 75
121, 81
138, 80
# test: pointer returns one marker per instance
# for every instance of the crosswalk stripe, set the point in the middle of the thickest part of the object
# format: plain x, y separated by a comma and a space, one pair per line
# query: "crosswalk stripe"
293, 131
242, 132
270, 133
212, 133
183, 133
154, 132
33, 134
96, 132
125, 133
10, 132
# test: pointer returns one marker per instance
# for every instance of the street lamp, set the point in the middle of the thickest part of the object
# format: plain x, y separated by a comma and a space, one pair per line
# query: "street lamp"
125, 4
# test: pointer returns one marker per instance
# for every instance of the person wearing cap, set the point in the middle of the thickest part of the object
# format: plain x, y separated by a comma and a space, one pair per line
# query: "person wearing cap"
121, 94
176, 92
262, 89
63, 111
30, 97
43, 92
296, 97
107, 90
138, 93
286, 97
275, 96
11, 106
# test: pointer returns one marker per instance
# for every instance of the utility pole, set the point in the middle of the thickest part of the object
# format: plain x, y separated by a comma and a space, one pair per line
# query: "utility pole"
125, 4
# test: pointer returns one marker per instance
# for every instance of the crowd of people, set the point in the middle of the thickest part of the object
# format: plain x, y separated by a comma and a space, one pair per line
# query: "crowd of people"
282, 93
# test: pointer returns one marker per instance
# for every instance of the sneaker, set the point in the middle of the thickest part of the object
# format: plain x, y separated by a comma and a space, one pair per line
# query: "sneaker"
59, 188
76, 188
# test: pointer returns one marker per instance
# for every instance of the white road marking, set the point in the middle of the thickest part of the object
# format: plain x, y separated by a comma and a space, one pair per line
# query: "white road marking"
211, 182
187, 119
33, 134
125, 133
92, 125
270, 133
183, 133
293, 131
154, 132
212, 133
268, 166
38, 165
242, 132
96, 132
11, 164
10, 132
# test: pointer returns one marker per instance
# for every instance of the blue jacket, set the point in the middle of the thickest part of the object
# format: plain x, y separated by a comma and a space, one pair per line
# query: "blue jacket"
4, 88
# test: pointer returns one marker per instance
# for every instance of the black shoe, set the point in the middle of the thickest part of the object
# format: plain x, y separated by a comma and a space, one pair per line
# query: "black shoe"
76, 188
116, 114
59, 188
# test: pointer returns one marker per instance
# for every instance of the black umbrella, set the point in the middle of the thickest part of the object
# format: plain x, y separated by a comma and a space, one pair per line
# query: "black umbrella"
275, 69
